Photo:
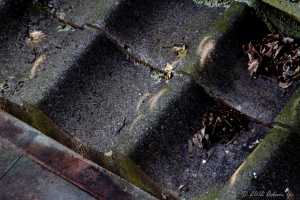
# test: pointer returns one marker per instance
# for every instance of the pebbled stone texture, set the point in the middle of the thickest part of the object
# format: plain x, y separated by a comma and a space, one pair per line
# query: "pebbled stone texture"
27, 180
90, 88
8, 156
149, 29
274, 162
99, 95
225, 75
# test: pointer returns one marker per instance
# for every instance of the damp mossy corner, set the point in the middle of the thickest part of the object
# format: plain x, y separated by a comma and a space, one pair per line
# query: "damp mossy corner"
214, 3
225, 22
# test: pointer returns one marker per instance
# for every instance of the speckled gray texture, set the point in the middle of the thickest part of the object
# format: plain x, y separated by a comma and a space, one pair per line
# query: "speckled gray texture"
226, 76
27, 181
90, 88
151, 28
99, 95
8, 156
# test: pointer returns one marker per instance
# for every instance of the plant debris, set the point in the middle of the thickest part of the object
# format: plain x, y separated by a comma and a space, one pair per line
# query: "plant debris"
64, 28
35, 37
36, 65
169, 70
181, 51
219, 126
276, 56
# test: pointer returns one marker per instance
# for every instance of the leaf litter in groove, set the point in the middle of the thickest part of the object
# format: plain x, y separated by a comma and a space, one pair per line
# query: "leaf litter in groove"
218, 125
181, 52
274, 55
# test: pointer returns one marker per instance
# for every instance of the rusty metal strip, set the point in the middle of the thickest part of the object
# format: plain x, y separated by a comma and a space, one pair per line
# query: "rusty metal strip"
60, 160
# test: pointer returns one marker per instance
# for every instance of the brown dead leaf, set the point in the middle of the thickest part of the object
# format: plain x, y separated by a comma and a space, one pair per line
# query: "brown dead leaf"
274, 55
254, 59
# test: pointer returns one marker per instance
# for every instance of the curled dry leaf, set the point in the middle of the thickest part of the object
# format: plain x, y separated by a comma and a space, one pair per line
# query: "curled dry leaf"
218, 126
35, 37
181, 51
254, 59
274, 55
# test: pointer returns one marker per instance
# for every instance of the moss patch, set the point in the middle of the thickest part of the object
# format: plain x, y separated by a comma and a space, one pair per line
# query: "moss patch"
287, 126
292, 9
214, 3
278, 21
224, 23
211, 195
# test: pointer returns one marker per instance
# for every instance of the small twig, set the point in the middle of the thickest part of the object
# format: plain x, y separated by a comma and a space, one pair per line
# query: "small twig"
122, 126
227, 122
210, 154
73, 25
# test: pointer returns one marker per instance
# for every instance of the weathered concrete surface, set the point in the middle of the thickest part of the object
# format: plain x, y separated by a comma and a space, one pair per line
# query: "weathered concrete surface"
290, 8
8, 156
151, 28
27, 181
7, 6
62, 161
158, 140
89, 87
100, 95
116, 163
81, 12
223, 72
274, 164
65, 59
59, 48
280, 16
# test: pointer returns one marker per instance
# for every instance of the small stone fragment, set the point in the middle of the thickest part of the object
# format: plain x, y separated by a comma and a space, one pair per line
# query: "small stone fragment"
108, 154
254, 175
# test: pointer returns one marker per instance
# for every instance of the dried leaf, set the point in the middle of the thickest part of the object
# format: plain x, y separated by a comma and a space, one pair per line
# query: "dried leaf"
253, 66
288, 40
37, 63
274, 55
285, 85
64, 28
181, 51
169, 71
35, 37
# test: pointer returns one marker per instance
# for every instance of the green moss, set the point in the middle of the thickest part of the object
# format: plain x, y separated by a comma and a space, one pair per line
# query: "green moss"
291, 9
277, 20
287, 126
190, 70
211, 195
214, 3
103, 8
130, 171
224, 23
256, 162
290, 116
265, 149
